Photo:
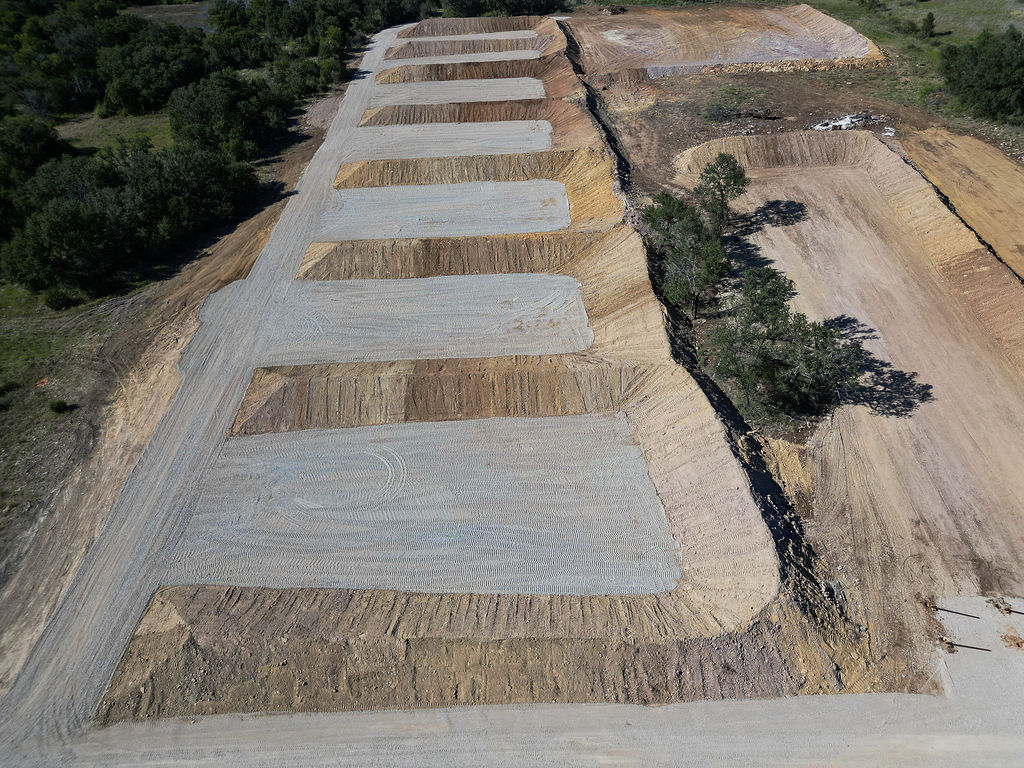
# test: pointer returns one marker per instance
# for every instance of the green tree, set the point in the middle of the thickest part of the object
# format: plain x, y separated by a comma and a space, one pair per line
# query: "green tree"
987, 74
780, 361
928, 25
694, 257
140, 75
721, 182
225, 112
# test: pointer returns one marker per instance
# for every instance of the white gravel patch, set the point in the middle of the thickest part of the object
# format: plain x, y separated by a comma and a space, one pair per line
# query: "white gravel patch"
443, 92
449, 139
457, 316
445, 210
558, 505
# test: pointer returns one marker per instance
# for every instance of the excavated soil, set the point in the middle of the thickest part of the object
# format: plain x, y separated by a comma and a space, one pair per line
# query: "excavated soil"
983, 184
337, 395
553, 71
918, 502
478, 26
401, 649
211, 650
584, 172
720, 37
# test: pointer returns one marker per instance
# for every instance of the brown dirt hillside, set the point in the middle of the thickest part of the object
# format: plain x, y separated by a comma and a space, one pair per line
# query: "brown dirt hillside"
983, 184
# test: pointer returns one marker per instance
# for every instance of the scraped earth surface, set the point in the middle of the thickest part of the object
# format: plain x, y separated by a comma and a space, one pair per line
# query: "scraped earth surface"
665, 42
929, 504
435, 450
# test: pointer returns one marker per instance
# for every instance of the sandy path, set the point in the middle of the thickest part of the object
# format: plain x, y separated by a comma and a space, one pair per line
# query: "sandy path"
551, 506
972, 725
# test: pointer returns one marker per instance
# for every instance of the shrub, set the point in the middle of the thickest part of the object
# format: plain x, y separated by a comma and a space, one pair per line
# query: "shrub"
59, 406
225, 112
987, 75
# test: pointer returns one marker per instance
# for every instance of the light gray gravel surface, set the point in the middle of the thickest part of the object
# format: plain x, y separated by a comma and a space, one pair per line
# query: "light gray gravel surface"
559, 505
444, 91
451, 139
459, 316
438, 210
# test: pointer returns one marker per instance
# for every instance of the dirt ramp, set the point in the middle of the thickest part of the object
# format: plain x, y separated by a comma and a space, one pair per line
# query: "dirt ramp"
473, 26
553, 71
983, 286
571, 124
799, 149
983, 184
729, 37
586, 174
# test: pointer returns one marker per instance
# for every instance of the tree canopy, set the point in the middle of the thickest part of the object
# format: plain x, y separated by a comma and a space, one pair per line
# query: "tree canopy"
987, 74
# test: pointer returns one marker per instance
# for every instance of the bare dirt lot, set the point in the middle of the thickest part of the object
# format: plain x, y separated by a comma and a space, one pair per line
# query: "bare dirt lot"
930, 503
985, 187
690, 39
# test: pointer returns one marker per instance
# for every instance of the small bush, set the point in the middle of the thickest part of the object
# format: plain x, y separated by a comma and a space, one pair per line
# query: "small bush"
59, 406
59, 297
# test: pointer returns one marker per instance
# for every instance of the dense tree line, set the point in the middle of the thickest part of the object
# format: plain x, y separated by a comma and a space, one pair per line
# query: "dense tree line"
88, 221
76, 224
778, 361
987, 74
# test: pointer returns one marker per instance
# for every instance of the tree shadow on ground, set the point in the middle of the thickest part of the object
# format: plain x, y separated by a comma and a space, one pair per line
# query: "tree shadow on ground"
745, 254
883, 388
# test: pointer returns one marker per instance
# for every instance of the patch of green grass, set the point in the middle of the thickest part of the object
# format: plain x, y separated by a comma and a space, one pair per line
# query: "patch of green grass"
91, 132
45, 359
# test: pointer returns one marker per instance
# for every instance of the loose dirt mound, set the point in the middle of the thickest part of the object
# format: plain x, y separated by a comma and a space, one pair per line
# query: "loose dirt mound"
571, 125
485, 25
721, 36
254, 650
983, 184
356, 395
584, 172
553, 71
